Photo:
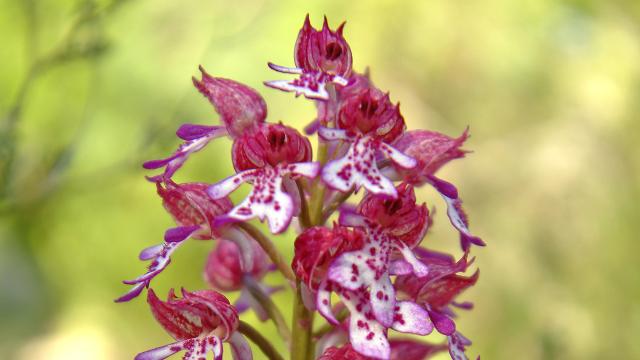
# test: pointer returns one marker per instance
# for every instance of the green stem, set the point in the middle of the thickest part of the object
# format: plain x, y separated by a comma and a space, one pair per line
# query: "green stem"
271, 308
302, 324
326, 328
257, 338
335, 204
305, 220
270, 249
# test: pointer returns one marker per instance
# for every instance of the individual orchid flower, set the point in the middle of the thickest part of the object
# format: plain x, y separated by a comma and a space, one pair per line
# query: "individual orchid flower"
321, 57
438, 290
225, 271
371, 266
433, 150
194, 214
367, 334
267, 157
200, 321
240, 108
369, 122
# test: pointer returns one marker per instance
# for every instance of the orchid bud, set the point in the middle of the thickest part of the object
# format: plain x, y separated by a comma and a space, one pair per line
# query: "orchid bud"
223, 270
401, 217
270, 144
240, 107
323, 50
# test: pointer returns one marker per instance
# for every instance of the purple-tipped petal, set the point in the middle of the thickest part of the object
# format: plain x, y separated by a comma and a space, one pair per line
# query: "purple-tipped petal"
150, 252
160, 261
411, 318
194, 131
459, 220
443, 323
323, 302
457, 346
180, 233
445, 188
332, 134
240, 349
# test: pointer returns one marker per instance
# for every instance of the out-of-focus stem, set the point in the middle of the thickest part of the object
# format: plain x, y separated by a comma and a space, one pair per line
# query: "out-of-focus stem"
326, 328
317, 194
270, 249
271, 308
257, 338
335, 204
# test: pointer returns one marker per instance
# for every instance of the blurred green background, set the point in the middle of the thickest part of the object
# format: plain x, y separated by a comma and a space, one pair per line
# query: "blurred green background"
550, 89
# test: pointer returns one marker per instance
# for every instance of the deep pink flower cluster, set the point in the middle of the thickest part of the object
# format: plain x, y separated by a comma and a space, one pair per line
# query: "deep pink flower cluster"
372, 257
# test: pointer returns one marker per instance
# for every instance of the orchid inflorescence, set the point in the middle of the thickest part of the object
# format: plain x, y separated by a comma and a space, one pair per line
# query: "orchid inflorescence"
370, 261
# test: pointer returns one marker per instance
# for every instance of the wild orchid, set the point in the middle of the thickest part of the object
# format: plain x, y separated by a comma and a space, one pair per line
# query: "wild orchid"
361, 264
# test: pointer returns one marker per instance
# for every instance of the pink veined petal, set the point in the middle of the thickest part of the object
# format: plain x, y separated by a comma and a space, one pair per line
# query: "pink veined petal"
228, 185
357, 169
383, 300
405, 349
160, 261
266, 200
398, 157
162, 352
419, 268
306, 169
411, 318
457, 344
284, 69
332, 134
196, 349
150, 252
240, 349
367, 336
458, 220
323, 302
313, 91
400, 267
180, 233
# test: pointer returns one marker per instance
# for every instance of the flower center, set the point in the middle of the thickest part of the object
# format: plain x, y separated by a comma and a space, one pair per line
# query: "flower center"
333, 51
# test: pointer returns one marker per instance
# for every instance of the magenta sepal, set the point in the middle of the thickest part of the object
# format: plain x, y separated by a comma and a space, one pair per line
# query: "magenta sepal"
267, 199
196, 141
358, 168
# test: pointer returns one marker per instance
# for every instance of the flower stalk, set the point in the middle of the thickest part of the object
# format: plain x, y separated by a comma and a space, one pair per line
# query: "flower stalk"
372, 257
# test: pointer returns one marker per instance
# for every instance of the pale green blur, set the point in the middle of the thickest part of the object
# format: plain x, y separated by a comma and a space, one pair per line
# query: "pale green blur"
550, 90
